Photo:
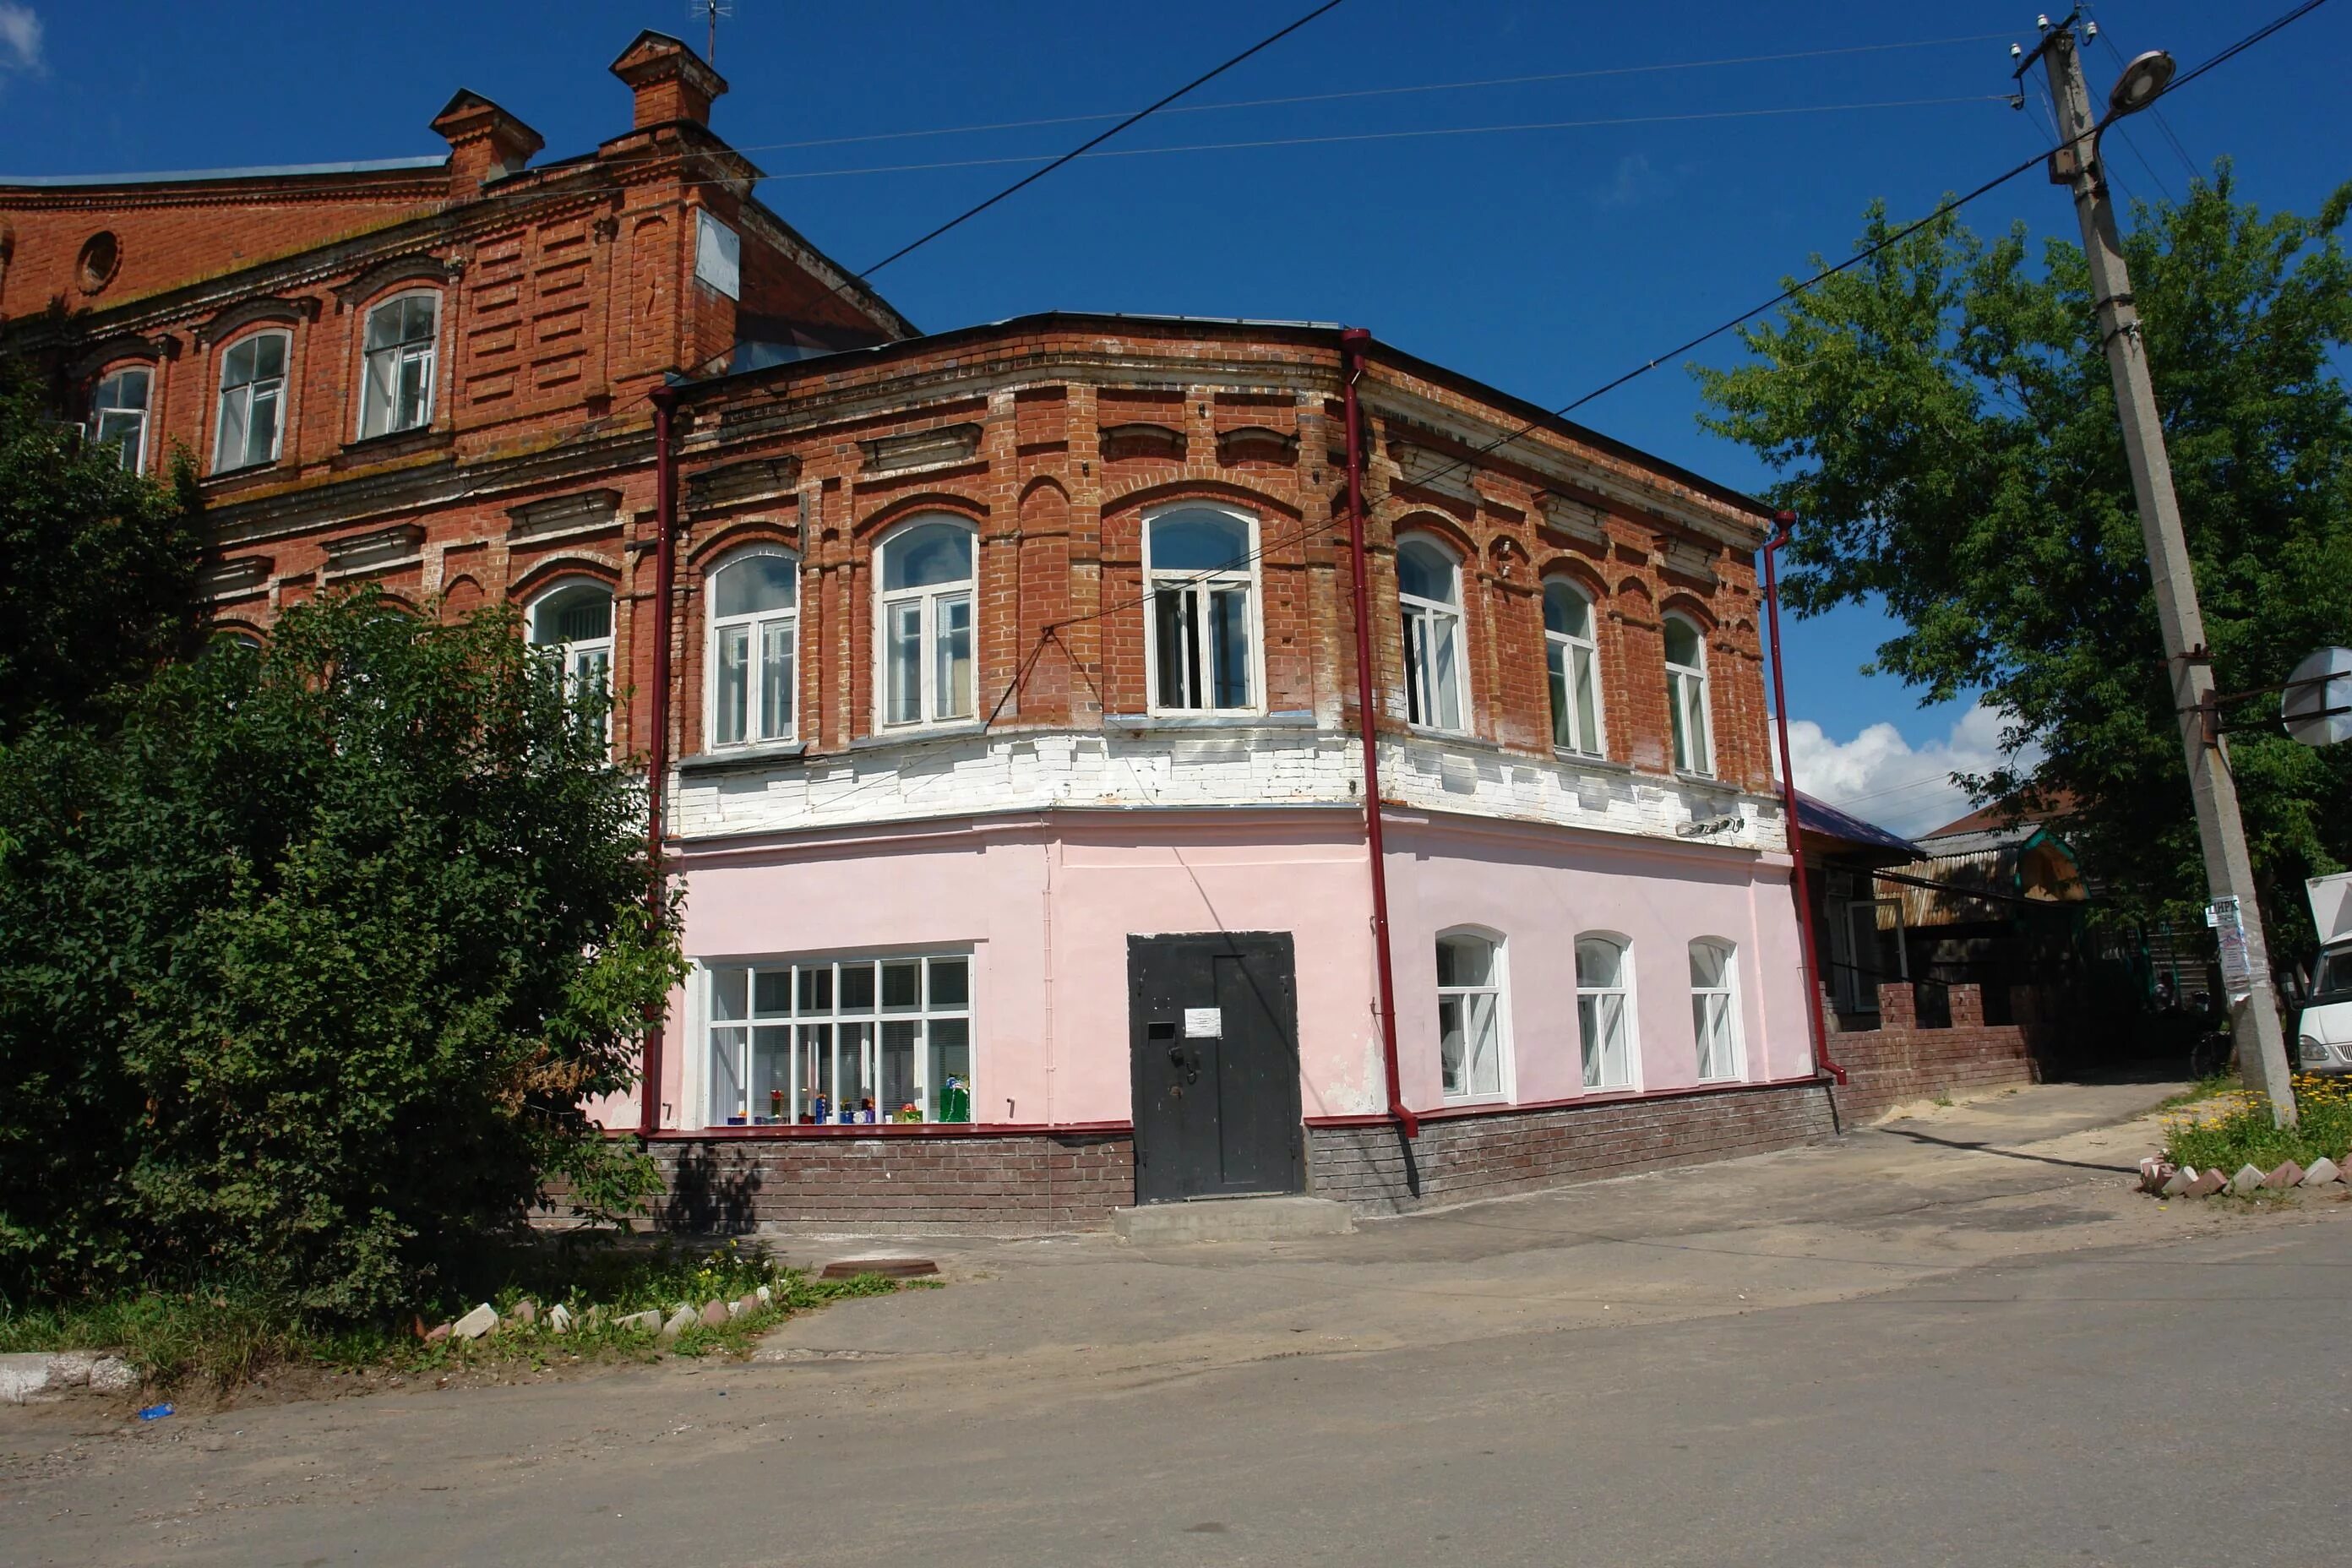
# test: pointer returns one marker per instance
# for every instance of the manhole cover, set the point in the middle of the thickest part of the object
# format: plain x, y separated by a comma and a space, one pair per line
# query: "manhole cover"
889, 1268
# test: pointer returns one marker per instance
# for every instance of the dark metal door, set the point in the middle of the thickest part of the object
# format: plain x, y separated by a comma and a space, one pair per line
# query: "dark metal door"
1213, 1030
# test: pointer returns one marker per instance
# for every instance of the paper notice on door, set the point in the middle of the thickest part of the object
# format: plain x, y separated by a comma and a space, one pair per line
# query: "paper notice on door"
1204, 1024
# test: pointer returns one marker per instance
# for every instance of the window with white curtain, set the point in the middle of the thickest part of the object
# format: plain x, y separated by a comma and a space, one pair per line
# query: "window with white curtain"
572, 624
1605, 1004
252, 402
1471, 1028
1574, 666
827, 1041
1715, 1008
118, 414
1199, 575
1429, 593
926, 623
1686, 704
754, 645
396, 372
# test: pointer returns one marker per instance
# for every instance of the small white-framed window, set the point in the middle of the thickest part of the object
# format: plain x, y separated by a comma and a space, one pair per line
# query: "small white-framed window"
572, 624
1604, 1010
1429, 593
924, 622
118, 414
822, 1042
1573, 661
252, 402
396, 364
1714, 1007
1473, 1022
1200, 572
754, 645
1686, 703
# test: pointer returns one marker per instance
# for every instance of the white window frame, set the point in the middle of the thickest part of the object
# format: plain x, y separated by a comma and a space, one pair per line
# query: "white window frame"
576, 656
1564, 647
1687, 694
1420, 663
1628, 1017
755, 625
847, 1037
138, 419
254, 391
1722, 1004
399, 355
1498, 988
1200, 586
930, 602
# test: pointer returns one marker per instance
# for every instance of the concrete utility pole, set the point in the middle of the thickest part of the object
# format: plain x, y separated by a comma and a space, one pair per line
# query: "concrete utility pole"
2229, 868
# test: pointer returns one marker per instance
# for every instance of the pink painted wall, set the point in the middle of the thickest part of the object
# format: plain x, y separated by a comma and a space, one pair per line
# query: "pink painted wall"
1046, 906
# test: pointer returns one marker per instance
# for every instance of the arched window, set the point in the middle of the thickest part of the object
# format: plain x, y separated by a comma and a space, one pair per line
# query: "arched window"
1471, 1025
754, 647
118, 414
1429, 591
1198, 568
1715, 1008
396, 368
252, 402
1686, 703
925, 623
1575, 669
572, 624
1603, 1005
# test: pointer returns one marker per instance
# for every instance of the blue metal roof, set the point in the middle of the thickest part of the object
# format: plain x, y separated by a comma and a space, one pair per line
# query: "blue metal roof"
259, 172
1819, 816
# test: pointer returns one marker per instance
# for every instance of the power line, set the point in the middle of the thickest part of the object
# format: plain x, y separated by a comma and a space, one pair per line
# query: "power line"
1403, 135
1091, 143
1372, 92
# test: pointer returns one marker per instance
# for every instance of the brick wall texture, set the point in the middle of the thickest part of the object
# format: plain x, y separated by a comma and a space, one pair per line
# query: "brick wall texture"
1009, 1182
1901, 1061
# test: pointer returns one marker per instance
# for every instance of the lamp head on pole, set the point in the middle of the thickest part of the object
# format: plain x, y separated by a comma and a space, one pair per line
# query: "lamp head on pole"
2142, 80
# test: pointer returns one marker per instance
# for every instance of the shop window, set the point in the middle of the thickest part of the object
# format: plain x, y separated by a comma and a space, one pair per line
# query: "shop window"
924, 624
572, 626
1715, 1008
1471, 1022
754, 647
1429, 593
846, 1041
1603, 1011
1574, 670
1686, 704
396, 379
118, 414
252, 402
1201, 574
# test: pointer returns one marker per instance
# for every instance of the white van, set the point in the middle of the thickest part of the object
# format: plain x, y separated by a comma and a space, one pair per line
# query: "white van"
2324, 1030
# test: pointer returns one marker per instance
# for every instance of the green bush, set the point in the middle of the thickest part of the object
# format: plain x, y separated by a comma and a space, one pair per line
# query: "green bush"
2236, 1128
309, 966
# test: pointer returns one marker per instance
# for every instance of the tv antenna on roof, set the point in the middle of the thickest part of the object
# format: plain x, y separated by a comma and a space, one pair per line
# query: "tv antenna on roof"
711, 11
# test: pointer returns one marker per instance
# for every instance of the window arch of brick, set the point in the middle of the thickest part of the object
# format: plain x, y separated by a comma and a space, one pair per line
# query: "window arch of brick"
736, 533
541, 573
1125, 504
869, 528
1692, 609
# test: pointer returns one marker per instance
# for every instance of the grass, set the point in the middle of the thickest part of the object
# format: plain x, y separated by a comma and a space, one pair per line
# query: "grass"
220, 1338
2232, 1127
2204, 1089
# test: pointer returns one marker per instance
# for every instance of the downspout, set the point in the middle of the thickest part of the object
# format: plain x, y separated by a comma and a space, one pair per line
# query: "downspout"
1821, 1062
664, 402
1352, 342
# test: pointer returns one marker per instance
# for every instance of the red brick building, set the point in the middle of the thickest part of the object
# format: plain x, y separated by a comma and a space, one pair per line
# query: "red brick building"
1014, 769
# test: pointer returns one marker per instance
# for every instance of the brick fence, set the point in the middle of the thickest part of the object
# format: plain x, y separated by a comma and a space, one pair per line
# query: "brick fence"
1374, 1169
1903, 1059
1005, 1181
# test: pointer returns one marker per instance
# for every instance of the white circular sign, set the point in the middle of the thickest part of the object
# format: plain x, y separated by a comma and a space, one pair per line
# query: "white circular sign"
2317, 706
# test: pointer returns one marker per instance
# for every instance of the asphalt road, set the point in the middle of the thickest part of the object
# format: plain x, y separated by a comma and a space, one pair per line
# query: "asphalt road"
2175, 1394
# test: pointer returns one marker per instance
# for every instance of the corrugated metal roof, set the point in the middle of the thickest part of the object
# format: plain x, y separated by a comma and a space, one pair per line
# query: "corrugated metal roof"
1819, 816
259, 172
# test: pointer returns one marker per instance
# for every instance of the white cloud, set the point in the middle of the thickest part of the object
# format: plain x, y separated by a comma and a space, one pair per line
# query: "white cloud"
20, 37
1633, 182
1880, 776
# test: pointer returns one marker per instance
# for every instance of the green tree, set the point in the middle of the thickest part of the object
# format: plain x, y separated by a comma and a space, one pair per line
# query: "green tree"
309, 968
101, 580
1945, 427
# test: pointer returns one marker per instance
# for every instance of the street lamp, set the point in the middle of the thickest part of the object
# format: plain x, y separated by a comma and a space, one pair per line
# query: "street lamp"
2146, 75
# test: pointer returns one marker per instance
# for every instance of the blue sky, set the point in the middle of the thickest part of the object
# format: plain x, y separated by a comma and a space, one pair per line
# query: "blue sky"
1545, 261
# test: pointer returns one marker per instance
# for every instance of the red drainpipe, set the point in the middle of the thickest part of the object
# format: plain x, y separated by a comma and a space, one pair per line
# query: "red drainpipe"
1352, 343
1821, 1062
664, 402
